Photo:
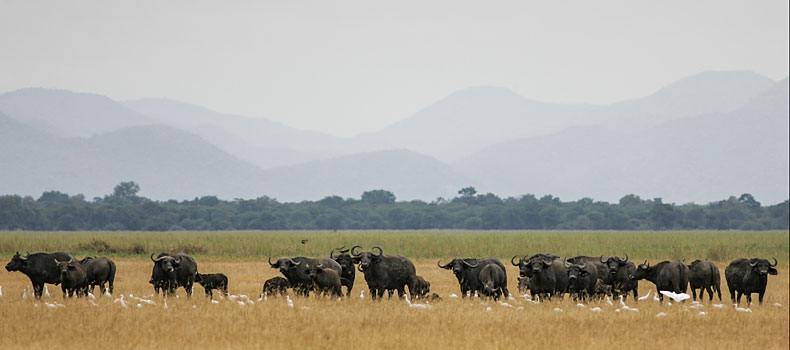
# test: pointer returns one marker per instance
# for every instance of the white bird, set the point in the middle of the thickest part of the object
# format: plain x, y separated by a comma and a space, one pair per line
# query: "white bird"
622, 303
220, 296
35, 305
139, 306
51, 306
107, 293
362, 294
718, 306
149, 302
214, 302
165, 304
696, 306
265, 298
453, 295
775, 304
510, 297
702, 313
419, 306
46, 291
1, 291
678, 297
633, 309
740, 309
526, 296
488, 309
505, 304
93, 303
24, 294
194, 306
661, 314
520, 308
232, 297
556, 309
646, 295
305, 308
580, 305
618, 310
656, 298
250, 302
244, 296
90, 295
669, 303
120, 300
290, 302
596, 309
609, 301
59, 304
241, 303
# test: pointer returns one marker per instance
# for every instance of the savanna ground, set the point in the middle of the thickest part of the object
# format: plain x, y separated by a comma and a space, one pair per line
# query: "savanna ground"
353, 322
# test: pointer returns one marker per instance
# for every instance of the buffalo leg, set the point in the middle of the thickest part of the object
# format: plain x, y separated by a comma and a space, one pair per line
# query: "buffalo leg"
38, 290
738, 298
694, 293
710, 293
381, 293
761, 295
748, 299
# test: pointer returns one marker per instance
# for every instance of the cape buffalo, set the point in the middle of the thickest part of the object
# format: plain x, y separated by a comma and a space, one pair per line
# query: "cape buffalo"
213, 281
40, 268
325, 280
747, 276
672, 276
274, 286
348, 273
548, 276
582, 278
523, 269
383, 272
494, 282
619, 272
296, 271
173, 271
704, 275
467, 272
72, 278
421, 287
99, 271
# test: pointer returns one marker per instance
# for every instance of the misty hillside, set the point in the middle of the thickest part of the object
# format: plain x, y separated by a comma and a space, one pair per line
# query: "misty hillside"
262, 142
698, 159
66, 113
167, 163
407, 174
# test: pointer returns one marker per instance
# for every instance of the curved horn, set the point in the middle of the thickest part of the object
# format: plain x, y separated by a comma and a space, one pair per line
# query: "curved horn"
582, 266
332, 254
179, 259
157, 259
602, 260
439, 263
567, 264
547, 263
23, 258
354, 250
294, 262
514, 259
56, 262
775, 263
270, 262
753, 264
70, 260
626, 258
380, 251
470, 265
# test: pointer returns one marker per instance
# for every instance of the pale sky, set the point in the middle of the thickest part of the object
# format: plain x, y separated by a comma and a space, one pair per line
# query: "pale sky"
346, 67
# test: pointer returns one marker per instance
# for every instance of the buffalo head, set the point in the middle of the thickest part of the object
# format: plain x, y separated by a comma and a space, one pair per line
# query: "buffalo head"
65, 268
366, 259
458, 265
642, 271
344, 259
17, 262
166, 262
763, 267
614, 263
284, 264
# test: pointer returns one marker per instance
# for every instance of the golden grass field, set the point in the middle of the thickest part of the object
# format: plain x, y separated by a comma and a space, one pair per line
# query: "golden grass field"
317, 323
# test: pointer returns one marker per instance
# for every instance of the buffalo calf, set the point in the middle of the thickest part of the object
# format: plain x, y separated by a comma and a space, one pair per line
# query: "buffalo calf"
274, 286
213, 281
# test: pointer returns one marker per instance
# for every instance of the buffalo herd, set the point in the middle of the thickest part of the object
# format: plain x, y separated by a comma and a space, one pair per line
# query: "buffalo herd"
545, 276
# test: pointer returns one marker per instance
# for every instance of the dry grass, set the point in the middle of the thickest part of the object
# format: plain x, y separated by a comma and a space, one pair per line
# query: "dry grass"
353, 323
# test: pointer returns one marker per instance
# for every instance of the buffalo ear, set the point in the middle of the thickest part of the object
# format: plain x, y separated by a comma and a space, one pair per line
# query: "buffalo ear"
772, 271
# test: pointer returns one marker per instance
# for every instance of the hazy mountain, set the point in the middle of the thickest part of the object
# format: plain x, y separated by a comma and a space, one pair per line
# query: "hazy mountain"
259, 141
700, 159
67, 113
407, 174
167, 163
471, 119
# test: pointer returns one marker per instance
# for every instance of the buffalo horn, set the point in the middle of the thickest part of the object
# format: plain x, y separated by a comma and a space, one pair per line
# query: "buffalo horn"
626, 258
582, 266
294, 262
753, 262
775, 263
567, 264
513, 259
602, 260
332, 253
470, 265
270, 262
380, 251
354, 250
157, 259
23, 258
439, 263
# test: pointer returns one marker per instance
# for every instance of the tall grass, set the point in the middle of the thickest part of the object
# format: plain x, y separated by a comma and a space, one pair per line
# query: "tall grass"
709, 245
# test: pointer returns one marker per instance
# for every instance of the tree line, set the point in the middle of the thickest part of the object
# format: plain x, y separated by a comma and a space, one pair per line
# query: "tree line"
379, 209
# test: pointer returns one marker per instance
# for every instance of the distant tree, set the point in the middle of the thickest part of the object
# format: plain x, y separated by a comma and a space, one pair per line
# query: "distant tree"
630, 199
378, 197
467, 195
749, 201
126, 190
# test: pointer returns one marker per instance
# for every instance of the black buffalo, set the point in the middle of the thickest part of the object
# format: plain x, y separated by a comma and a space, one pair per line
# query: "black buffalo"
704, 275
494, 281
274, 286
173, 271
747, 276
296, 271
582, 278
619, 272
99, 271
211, 281
72, 278
671, 276
39, 267
523, 269
547, 275
325, 280
467, 272
385, 272
348, 272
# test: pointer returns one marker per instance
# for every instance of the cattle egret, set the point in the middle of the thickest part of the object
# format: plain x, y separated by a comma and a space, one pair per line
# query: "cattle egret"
596, 309
702, 313
250, 302
556, 309
290, 302
646, 295
214, 302
696, 306
618, 310
669, 303
46, 291
241, 303
120, 300
678, 297
59, 304
718, 306
90, 295
505, 304
633, 309
139, 306
453, 295
165, 304
232, 297
622, 303
418, 306
51, 306
194, 306
580, 305
362, 294
510, 297
107, 293
24, 294
740, 309
661, 314
609, 301
520, 308
93, 303
656, 298
488, 309
775, 304
35, 305
1, 291
305, 308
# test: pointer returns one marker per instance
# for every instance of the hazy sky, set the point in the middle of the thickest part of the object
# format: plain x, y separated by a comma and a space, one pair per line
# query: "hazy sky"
345, 67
